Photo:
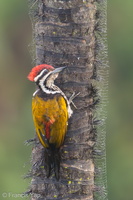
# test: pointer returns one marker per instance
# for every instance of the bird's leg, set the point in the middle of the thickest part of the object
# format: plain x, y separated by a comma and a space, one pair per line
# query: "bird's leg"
72, 97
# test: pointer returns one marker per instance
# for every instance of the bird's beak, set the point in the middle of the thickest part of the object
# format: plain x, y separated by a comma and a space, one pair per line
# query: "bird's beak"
58, 70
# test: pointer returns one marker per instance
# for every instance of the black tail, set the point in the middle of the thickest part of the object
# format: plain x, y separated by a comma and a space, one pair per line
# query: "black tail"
52, 161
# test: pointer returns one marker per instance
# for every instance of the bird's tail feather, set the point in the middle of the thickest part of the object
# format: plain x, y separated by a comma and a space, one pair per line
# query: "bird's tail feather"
57, 163
52, 161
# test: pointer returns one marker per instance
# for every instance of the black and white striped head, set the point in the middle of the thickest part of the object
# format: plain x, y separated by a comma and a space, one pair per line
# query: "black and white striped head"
44, 76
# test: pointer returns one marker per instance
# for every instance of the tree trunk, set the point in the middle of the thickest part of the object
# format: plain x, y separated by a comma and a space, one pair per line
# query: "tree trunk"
65, 35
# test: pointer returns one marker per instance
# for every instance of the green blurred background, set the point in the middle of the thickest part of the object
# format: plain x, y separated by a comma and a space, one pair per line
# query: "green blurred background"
15, 98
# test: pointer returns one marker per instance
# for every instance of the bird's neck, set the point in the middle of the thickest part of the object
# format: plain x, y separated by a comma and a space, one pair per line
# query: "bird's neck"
49, 88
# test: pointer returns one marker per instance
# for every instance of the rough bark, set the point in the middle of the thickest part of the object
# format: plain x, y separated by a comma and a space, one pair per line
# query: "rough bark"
64, 35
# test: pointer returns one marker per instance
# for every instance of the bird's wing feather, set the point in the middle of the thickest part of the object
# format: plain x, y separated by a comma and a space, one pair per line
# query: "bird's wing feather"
50, 118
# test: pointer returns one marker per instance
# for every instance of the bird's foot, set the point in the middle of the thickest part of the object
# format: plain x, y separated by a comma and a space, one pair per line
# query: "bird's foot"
72, 97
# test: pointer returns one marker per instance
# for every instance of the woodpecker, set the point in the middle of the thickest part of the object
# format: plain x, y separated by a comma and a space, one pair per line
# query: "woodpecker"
51, 111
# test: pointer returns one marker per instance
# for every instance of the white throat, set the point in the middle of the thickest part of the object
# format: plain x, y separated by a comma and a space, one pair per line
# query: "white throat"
49, 88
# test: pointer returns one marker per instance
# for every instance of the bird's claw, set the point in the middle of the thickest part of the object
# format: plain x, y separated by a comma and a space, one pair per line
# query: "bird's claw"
72, 97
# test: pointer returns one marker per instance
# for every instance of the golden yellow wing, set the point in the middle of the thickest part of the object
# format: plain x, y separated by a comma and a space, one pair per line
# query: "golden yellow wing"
50, 119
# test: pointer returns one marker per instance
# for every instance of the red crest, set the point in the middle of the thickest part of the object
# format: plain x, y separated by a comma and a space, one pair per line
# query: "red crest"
37, 69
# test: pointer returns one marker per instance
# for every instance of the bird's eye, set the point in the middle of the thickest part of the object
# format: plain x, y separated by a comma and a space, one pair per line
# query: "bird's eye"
43, 72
